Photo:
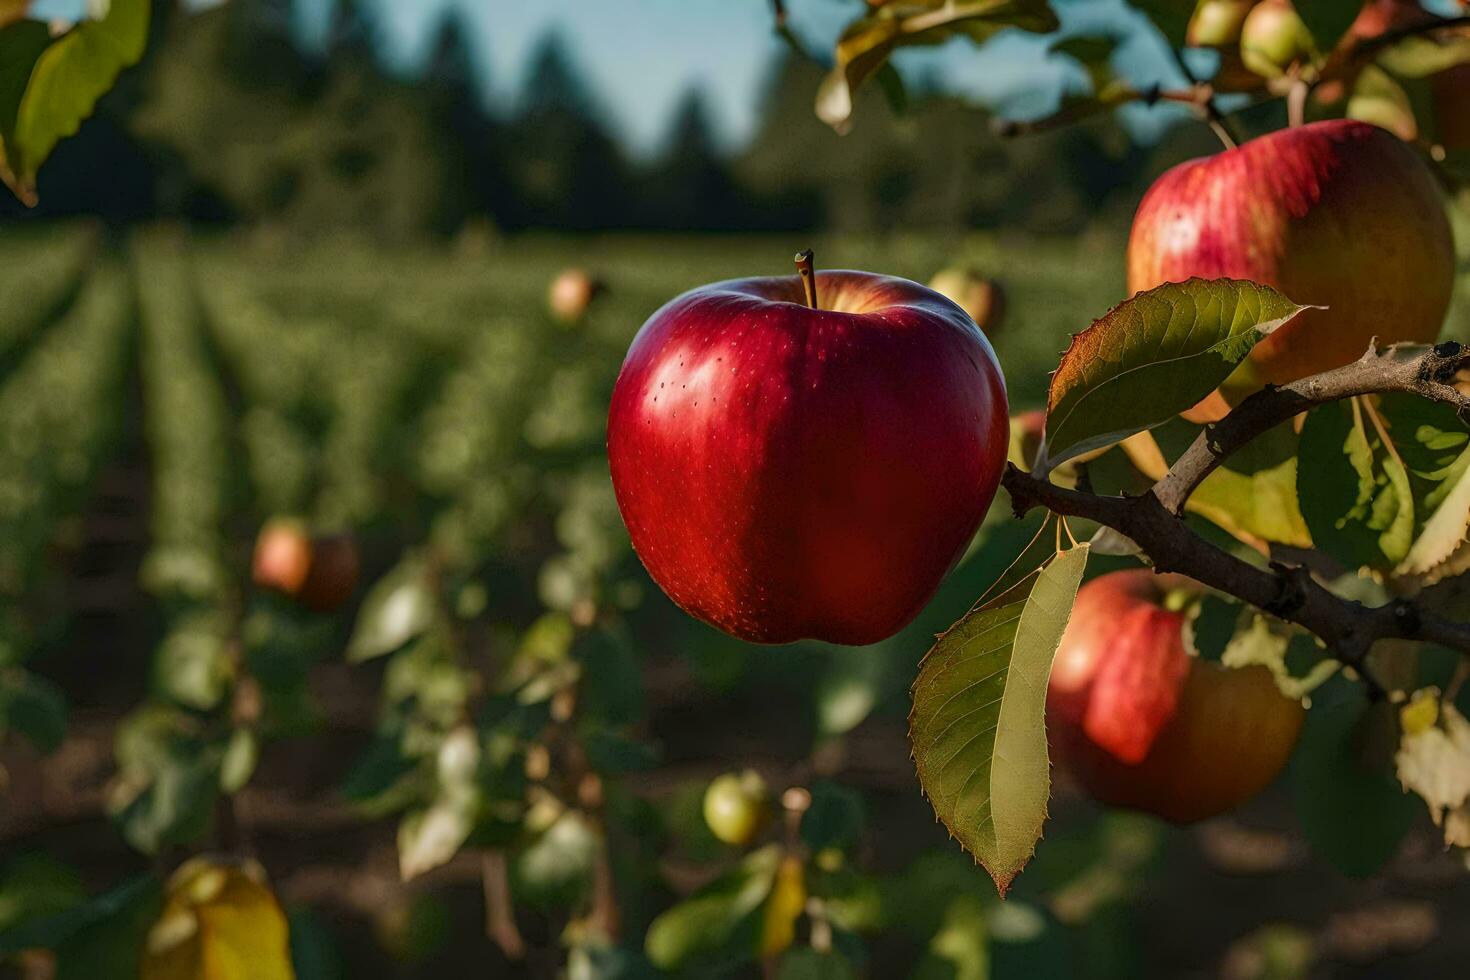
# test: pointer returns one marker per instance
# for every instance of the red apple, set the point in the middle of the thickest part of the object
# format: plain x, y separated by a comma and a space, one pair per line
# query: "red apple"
1337, 213
1143, 724
319, 572
571, 293
790, 472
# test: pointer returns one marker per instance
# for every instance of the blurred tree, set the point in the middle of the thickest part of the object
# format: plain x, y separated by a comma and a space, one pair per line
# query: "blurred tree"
278, 138
691, 187
471, 151
562, 166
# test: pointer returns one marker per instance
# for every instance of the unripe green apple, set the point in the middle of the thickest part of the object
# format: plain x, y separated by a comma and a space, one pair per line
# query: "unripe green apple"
1273, 38
1145, 725
736, 806
1217, 23
982, 298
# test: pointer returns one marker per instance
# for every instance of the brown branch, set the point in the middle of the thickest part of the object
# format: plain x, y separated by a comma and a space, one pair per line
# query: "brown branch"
1427, 372
1154, 519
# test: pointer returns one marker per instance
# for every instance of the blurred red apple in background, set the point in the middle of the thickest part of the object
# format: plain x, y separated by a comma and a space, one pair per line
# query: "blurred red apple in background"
319, 572
1143, 724
571, 293
1337, 213
792, 471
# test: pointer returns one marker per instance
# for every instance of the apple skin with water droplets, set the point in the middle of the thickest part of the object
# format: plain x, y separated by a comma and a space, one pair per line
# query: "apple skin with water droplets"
792, 473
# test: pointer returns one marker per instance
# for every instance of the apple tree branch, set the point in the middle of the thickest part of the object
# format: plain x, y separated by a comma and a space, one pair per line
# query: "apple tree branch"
1154, 519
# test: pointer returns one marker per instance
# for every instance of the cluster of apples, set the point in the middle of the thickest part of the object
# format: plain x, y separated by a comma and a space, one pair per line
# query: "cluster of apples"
318, 571
807, 457
1267, 40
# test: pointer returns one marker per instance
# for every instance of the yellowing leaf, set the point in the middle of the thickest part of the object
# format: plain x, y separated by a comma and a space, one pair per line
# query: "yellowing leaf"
1422, 711
864, 47
1445, 531
784, 907
1265, 643
977, 727
1153, 356
1435, 763
219, 922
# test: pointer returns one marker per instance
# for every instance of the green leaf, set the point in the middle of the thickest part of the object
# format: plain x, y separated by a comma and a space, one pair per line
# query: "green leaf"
1153, 356
1374, 470
977, 727
835, 818
1354, 814
806, 963
167, 781
398, 608
1255, 491
36, 886
52, 931
32, 706
1171, 17
1327, 19
866, 44
711, 920
1380, 100
64, 85
1423, 55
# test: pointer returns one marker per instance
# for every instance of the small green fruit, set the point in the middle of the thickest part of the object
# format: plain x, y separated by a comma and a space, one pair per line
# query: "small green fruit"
1273, 38
736, 806
1217, 23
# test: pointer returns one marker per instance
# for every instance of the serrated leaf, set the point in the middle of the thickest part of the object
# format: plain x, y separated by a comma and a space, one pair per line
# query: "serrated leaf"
219, 922
977, 727
64, 85
1327, 19
866, 44
1380, 100
1154, 356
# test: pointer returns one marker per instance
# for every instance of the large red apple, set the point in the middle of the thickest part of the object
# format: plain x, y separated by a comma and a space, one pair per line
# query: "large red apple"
790, 472
1143, 724
1337, 213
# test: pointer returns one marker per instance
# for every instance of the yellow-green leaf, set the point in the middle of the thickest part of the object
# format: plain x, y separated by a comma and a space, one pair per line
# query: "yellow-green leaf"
219, 922
977, 728
1153, 356
864, 47
64, 84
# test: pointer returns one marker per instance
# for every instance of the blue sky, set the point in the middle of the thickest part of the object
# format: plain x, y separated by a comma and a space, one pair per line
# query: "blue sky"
640, 56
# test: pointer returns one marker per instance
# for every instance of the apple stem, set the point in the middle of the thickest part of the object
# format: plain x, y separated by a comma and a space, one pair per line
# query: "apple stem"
808, 273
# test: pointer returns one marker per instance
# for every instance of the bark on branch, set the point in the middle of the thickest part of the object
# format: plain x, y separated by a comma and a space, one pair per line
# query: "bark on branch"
1154, 520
